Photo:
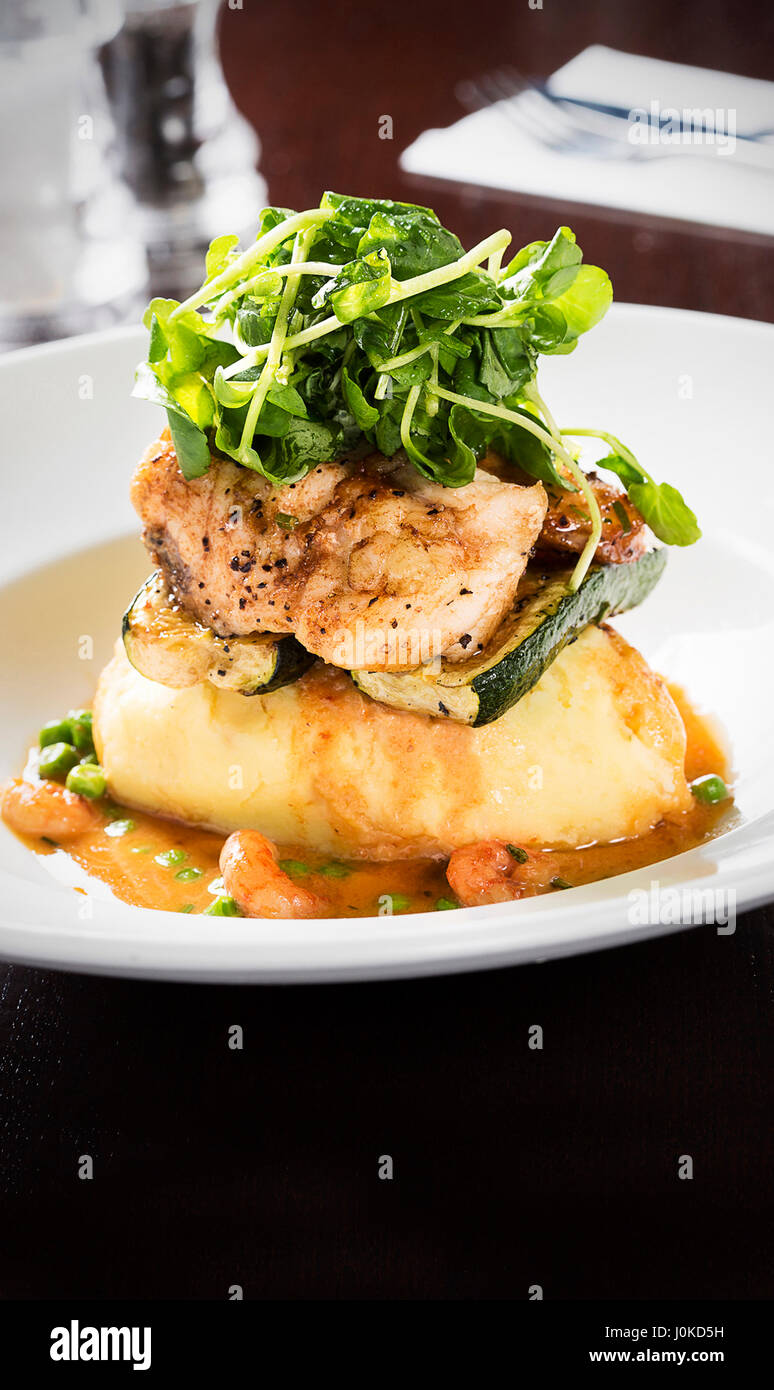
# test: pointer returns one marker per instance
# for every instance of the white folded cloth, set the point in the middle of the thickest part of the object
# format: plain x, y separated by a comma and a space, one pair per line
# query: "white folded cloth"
714, 187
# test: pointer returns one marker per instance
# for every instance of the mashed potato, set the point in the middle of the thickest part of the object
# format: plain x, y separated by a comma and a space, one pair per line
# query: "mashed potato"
594, 753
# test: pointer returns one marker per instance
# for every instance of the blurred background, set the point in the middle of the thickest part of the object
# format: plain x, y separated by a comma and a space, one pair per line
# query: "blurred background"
136, 130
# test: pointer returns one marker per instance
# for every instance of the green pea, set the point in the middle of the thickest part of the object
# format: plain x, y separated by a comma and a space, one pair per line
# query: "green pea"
709, 790
170, 856
55, 731
119, 827
81, 726
87, 779
188, 875
293, 867
335, 870
445, 905
222, 907
55, 761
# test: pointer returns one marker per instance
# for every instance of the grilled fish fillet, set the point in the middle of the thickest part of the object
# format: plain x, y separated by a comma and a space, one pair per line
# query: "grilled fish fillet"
367, 563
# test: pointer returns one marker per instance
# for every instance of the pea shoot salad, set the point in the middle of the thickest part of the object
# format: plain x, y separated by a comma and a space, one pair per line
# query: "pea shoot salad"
366, 318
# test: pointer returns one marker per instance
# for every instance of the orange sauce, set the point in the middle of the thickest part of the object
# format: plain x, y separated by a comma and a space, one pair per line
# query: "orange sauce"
162, 864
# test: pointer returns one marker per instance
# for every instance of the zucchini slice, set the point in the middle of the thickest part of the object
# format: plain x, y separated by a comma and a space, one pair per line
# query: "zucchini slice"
545, 617
167, 645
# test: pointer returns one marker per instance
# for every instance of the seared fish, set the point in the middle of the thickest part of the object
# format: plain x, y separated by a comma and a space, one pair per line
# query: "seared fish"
367, 563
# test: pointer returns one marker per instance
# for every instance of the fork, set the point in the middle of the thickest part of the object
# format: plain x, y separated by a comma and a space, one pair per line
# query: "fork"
568, 127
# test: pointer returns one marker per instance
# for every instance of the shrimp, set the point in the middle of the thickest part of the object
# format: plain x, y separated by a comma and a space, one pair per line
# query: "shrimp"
254, 879
45, 808
489, 872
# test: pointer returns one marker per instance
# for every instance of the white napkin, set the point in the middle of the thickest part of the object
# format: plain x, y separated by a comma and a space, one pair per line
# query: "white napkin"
488, 148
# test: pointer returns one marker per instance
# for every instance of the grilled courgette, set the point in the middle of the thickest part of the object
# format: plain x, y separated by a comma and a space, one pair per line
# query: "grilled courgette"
545, 617
167, 645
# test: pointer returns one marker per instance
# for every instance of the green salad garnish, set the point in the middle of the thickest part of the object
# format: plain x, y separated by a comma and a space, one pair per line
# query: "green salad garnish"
365, 317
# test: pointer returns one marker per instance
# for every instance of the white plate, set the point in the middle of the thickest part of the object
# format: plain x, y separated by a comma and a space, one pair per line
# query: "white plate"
690, 392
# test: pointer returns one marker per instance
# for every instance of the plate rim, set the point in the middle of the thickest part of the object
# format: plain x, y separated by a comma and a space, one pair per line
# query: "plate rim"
428, 944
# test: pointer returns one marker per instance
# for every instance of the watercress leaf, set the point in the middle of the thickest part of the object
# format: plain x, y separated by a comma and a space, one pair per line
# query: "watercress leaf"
287, 398
195, 398
272, 421
473, 293
493, 375
191, 446
190, 396
415, 243
624, 468
185, 336
418, 370
254, 325
585, 302
306, 442
471, 432
387, 432
365, 415
157, 346
235, 391
270, 218
516, 353
548, 328
544, 270
148, 386
465, 451
354, 215
360, 287
530, 454
331, 347
222, 251
666, 512
380, 337
453, 344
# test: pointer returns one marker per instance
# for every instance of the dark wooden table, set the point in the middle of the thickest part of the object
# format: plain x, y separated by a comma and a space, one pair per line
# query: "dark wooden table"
512, 1167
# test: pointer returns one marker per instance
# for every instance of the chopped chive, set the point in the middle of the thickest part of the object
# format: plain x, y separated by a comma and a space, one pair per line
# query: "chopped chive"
621, 513
140, 849
560, 883
217, 886
709, 789
520, 855
119, 827
222, 907
399, 902
446, 905
188, 875
170, 856
286, 521
293, 867
189, 907
48, 841
335, 870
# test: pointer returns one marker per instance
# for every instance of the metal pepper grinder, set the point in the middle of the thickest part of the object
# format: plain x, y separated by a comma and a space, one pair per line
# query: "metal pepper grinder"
184, 150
